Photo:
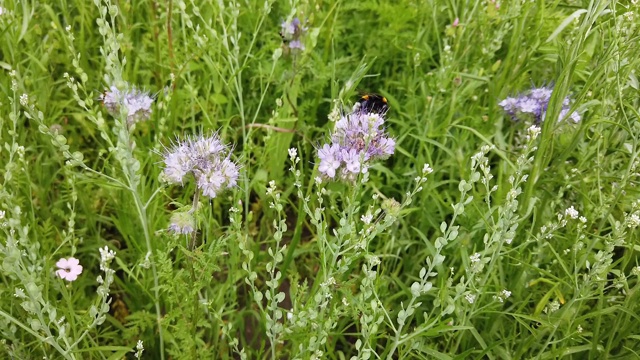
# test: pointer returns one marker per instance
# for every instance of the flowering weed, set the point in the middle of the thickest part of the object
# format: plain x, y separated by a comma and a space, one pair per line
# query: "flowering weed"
253, 207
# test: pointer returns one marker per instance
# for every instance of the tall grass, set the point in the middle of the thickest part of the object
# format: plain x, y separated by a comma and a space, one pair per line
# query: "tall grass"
481, 237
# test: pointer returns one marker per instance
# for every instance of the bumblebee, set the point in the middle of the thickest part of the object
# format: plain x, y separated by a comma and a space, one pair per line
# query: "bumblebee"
374, 103
118, 308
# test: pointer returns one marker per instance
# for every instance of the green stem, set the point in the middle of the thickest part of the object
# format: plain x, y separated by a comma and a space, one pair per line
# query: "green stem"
35, 334
194, 209
142, 213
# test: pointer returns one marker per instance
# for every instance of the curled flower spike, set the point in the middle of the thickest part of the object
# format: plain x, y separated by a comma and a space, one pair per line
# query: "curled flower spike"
136, 103
68, 269
182, 223
358, 139
533, 104
207, 159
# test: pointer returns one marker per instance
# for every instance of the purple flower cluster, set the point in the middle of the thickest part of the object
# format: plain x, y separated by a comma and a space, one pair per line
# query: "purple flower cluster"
136, 103
534, 104
207, 158
358, 139
291, 32
182, 223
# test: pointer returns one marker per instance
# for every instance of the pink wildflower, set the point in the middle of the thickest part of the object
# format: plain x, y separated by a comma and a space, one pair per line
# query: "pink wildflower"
69, 269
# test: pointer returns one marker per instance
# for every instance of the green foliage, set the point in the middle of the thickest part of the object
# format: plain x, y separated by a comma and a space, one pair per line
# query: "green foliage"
481, 237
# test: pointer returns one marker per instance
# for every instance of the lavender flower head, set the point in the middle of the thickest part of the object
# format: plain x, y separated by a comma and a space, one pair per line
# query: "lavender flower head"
533, 105
182, 223
207, 159
358, 139
136, 103
291, 32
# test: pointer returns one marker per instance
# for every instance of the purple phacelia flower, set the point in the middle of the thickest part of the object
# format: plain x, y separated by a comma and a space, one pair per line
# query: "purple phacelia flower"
207, 159
358, 139
182, 223
329, 159
112, 98
291, 33
575, 117
134, 102
541, 94
533, 105
296, 44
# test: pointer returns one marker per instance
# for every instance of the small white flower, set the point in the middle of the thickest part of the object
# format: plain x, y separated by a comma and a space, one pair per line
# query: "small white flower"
505, 293
272, 186
334, 115
470, 298
583, 219
367, 218
579, 329
552, 307
374, 261
475, 258
571, 212
426, 169
106, 255
146, 263
24, 99
139, 349
19, 293
633, 221
293, 153
68, 28
533, 131
330, 282
2, 214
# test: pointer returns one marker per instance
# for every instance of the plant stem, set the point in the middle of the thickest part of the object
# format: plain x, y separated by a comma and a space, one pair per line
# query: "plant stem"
142, 213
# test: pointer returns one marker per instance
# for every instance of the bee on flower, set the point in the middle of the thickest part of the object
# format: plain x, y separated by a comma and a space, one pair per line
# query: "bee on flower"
133, 101
358, 139
292, 33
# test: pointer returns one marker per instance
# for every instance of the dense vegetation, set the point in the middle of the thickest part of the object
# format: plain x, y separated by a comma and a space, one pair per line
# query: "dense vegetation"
191, 179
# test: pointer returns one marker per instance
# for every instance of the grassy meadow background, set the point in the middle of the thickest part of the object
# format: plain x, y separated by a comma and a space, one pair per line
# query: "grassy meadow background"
515, 246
